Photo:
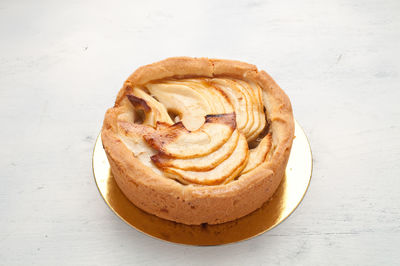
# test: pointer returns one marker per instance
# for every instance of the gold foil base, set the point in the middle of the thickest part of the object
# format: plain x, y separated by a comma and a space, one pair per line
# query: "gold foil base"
285, 200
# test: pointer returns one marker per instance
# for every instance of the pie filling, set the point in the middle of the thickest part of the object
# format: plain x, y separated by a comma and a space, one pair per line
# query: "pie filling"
197, 130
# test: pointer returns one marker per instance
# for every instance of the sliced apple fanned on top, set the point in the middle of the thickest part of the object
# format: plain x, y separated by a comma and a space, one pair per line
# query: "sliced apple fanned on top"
215, 120
190, 105
247, 102
190, 100
202, 163
222, 173
213, 154
258, 154
238, 99
176, 141
154, 111
217, 100
131, 135
257, 108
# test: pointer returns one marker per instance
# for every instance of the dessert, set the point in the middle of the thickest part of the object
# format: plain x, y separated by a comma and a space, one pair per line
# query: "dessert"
198, 140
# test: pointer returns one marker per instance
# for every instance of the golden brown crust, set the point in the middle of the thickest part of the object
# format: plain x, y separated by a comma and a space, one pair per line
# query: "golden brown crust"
223, 67
193, 204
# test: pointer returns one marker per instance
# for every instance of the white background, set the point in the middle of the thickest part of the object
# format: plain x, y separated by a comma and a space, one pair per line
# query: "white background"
62, 63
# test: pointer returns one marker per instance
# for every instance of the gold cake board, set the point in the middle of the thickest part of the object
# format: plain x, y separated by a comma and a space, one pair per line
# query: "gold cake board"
285, 200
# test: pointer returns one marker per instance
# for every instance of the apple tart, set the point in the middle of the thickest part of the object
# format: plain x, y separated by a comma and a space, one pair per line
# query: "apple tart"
198, 140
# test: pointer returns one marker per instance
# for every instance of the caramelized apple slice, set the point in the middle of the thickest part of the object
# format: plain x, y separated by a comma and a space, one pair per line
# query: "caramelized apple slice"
263, 119
190, 105
258, 154
154, 110
216, 97
131, 135
203, 163
258, 109
228, 169
213, 108
243, 93
253, 108
236, 97
238, 170
176, 141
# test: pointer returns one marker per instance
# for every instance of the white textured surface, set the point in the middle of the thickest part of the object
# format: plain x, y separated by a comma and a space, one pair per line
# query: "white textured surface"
62, 63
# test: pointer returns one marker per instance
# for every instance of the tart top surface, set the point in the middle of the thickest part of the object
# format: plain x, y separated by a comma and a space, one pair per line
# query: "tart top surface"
202, 121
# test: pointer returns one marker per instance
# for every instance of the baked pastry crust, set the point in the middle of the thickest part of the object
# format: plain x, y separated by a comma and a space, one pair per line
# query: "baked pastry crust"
197, 204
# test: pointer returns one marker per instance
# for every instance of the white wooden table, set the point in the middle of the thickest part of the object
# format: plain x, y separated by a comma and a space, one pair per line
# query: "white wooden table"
62, 63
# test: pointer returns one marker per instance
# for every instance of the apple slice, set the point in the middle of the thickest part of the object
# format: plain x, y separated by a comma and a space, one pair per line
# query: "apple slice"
228, 169
238, 170
203, 163
176, 141
190, 105
263, 119
236, 97
132, 133
131, 136
250, 115
154, 111
254, 108
216, 97
258, 109
258, 154
213, 107
246, 110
